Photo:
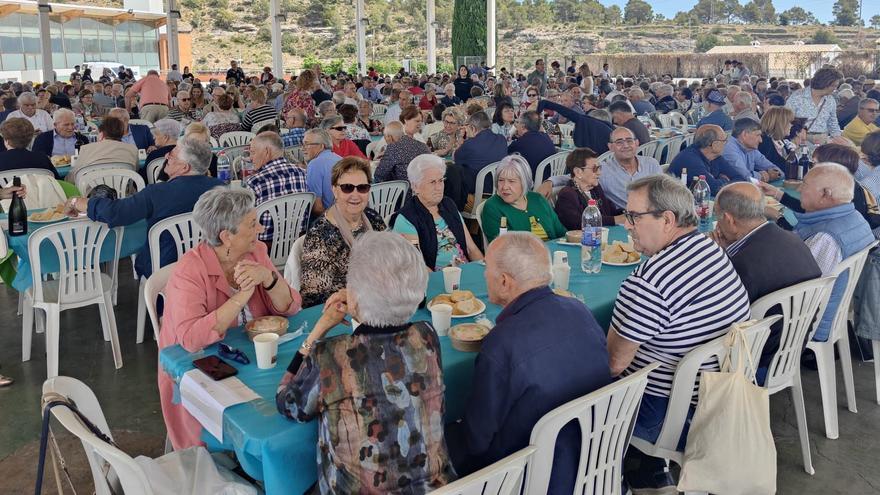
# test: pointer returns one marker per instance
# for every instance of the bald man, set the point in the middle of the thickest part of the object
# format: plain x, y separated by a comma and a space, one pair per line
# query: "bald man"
136, 134
544, 351
766, 257
703, 157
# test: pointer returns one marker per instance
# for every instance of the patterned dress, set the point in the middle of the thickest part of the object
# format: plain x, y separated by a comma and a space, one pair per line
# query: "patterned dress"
302, 100
379, 395
325, 259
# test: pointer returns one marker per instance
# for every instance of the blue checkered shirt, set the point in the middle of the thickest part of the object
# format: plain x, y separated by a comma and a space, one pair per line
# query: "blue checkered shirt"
275, 179
293, 137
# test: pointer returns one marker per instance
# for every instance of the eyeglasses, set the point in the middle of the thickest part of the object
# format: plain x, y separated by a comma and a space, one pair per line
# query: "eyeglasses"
871, 110
620, 142
349, 188
632, 216
595, 168
229, 352
450, 122
338, 128
313, 144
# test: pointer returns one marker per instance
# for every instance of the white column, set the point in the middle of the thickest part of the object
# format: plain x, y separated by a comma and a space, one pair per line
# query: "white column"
275, 17
490, 33
361, 35
173, 45
432, 38
45, 40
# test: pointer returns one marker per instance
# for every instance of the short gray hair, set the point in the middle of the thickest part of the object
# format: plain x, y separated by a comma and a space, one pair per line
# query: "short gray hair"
531, 120
322, 136
168, 127
421, 164
479, 121
270, 140
864, 102
450, 112
743, 98
387, 278
601, 114
524, 257
837, 179
518, 166
330, 121
222, 208
196, 153
63, 112
27, 96
740, 206
325, 105
668, 194
393, 129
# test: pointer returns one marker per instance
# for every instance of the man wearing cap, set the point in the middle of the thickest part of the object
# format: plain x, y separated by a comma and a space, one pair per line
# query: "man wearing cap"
714, 102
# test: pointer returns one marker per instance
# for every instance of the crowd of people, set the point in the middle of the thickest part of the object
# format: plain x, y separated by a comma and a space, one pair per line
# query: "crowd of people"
439, 132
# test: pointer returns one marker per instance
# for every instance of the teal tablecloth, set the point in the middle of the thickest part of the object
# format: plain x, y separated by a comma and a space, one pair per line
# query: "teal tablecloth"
63, 171
281, 453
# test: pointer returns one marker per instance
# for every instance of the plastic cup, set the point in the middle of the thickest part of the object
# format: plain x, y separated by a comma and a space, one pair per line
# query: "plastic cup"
142, 154
560, 258
73, 160
561, 274
266, 346
441, 318
604, 237
451, 278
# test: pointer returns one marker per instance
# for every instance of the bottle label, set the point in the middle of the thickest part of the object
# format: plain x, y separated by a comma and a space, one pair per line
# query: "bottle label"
591, 236
18, 228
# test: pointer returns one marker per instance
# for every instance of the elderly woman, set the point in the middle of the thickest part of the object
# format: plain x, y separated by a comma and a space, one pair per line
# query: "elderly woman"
514, 200
342, 146
225, 281
353, 131
448, 139
17, 134
432, 220
450, 99
365, 112
380, 413
87, 106
224, 119
503, 121
400, 152
428, 101
582, 165
328, 242
301, 96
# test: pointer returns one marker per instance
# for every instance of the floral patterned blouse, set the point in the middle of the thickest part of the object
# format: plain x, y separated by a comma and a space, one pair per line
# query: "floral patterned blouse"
300, 99
325, 259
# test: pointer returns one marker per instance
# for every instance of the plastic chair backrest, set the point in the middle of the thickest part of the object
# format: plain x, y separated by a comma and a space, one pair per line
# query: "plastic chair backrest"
6, 176
153, 169
4, 247
155, 287
292, 267
98, 452
664, 168
673, 148
184, 231
101, 167
504, 477
556, 162
566, 130
214, 142
799, 304
289, 217
384, 197
487, 171
236, 138
78, 245
605, 157
375, 148
432, 128
379, 109
647, 149
294, 154
119, 179
258, 127
854, 264
140, 122
677, 119
478, 213
665, 120
606, 417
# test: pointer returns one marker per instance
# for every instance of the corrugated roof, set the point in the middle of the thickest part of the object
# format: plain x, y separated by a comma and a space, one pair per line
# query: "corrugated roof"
70, 11
733, 49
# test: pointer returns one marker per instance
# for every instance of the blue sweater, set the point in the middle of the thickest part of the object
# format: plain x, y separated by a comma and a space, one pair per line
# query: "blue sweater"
155, 202
588, 132
534, 147
697, 164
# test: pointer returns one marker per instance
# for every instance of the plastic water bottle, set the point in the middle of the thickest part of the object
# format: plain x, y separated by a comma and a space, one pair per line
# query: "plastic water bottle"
223, 167
80, 123
701, 193
591, 239
684, 176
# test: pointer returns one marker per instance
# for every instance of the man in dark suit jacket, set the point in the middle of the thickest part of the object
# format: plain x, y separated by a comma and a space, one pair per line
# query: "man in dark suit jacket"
63, 140
482, 147
534, 145
588, 132
138, 135
766, 257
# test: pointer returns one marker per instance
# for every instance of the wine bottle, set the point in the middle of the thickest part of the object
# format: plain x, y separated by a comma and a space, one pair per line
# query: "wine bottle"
17, 213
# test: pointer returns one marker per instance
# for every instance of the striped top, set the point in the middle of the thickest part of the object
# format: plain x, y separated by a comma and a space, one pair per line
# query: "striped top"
684, 296
258, 114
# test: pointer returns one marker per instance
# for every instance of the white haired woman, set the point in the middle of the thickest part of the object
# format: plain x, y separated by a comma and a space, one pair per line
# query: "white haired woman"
378, 392
225, 281
514, 200
432, 220
365, 112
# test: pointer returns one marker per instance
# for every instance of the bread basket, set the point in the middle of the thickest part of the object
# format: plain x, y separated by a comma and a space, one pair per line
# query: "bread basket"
266, 324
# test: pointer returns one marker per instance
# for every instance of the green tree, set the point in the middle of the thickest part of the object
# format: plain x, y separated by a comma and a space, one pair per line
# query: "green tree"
637, 12
708, 11
683, 18
468, 29
706, 42
759, 12
824, 37
732, 9
613, 15
875, 21
846, 12
566, 10
223, 19
796, 16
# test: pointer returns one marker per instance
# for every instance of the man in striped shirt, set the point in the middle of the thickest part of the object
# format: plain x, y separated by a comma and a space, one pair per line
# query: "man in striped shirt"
258, 111
686, 294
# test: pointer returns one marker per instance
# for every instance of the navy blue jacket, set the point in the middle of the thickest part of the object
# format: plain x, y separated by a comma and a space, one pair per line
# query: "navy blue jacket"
534, 147
45, 142
588, 132
474, 154
155, 202
143, 138
696, 164
544, 351
20, 158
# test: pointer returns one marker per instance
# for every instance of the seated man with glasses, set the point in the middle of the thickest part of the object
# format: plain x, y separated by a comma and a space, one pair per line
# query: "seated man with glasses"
741, 152
863, 124
703, 157
535, 146
658, 318
625, 166
318, 151
183, 112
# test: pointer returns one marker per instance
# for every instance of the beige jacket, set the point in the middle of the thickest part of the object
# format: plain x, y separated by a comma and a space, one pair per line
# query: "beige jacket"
102, 152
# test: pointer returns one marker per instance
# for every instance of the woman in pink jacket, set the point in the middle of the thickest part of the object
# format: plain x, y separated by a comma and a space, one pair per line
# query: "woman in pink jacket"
225, 281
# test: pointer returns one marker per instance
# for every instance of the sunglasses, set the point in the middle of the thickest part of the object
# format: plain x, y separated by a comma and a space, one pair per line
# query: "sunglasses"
338, 128
349, 188
183, 99
532, 95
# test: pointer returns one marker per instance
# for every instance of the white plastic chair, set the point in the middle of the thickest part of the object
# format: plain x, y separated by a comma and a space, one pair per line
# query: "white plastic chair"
504, 477
686, 376
799, 304
153, 169
478, 213
669, 147
140, 122
825, 350
186, 235
606, 417
556, 162
665, 120
487, 171
6, 177
664, 168
647, 149
294, 261
79, 283
376, 148
379, 111
385, 195
289, 215
566, 130
258, 127
432, 128
604, 158
214, 142
677, 119
236, 138
153, 288
120, 179
102, 167
294, 154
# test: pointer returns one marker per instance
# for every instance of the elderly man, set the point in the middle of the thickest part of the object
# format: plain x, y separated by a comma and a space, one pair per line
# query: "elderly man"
744, 107
234, 72
544, 351
704, 157
658, 318
186, 167
27, 109
538, 77
63, 140
274, 176
625, 166
481, 147
665, 102
863, 124
714, 111
642, 107
741, 152
401, 149
258, 110
621, 115
589, 132
530, 142
183, 112
404, 100
831, 227
368, 90
766, 257
295, 121
135, 134
108, 149
449, 98
165, 134
155, 97
318, 150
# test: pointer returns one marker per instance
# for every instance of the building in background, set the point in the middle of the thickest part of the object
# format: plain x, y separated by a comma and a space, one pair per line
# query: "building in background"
795, 61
